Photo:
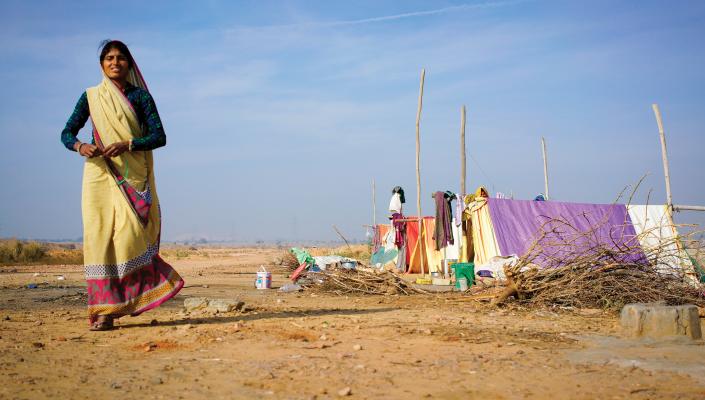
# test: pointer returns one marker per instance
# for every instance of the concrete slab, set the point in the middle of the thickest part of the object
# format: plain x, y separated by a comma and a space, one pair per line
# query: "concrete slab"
654, 320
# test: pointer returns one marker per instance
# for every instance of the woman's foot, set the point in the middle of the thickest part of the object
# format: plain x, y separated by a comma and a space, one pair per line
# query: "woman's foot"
103, 323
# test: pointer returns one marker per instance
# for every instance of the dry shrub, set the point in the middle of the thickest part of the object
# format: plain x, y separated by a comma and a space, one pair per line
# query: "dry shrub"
63, 256
568, 267
13, 251
16, 251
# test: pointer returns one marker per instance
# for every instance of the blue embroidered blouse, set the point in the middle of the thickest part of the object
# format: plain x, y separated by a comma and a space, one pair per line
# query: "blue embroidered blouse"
147, 114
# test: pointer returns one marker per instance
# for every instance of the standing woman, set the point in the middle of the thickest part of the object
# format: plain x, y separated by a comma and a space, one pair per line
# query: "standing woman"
121, 217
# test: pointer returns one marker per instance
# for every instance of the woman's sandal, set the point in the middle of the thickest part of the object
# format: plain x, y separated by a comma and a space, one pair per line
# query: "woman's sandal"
103, 323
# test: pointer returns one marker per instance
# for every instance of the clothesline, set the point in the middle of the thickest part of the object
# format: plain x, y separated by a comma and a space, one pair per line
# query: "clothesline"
415, 219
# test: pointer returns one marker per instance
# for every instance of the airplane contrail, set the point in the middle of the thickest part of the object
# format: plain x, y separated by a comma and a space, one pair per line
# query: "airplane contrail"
413, 14
423, 13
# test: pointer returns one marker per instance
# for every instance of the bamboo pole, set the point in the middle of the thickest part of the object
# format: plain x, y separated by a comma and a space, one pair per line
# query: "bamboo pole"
545, 166
664, 154
418, 169
463, 170
374, 204
462, 153
688, 208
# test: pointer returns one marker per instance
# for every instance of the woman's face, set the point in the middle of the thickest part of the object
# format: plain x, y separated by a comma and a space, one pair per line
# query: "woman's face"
115, 65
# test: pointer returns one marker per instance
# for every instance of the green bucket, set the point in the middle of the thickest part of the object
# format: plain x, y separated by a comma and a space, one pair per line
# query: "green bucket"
464, 270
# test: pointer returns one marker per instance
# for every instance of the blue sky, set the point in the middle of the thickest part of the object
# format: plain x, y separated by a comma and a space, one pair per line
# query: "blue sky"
279, 114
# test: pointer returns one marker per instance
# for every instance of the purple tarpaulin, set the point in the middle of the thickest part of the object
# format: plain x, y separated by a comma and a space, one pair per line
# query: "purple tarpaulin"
518, 223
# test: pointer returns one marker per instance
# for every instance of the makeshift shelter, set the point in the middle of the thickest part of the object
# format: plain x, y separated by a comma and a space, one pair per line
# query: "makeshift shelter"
504, 227
494, 228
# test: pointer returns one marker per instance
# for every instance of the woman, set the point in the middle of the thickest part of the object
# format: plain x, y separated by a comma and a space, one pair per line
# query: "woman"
121, 218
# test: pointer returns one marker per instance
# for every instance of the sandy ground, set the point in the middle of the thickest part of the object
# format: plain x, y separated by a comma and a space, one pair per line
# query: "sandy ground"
307, 346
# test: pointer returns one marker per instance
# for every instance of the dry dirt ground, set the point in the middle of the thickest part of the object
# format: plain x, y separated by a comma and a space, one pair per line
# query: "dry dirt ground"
308, 346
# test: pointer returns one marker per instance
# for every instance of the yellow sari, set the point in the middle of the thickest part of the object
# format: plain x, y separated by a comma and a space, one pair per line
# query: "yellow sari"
124, 272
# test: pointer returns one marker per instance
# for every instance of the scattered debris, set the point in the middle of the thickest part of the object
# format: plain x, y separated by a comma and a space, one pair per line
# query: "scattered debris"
291, 287
362, 280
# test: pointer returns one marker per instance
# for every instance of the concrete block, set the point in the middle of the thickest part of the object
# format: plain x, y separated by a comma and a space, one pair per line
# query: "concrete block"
654, 320
195, 303
224, 305
212, 305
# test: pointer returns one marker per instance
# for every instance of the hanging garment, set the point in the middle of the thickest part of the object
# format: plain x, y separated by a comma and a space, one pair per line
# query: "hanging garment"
482, 231
395, 203
452, 250
423, 250
399, 228
380, 233
443, 234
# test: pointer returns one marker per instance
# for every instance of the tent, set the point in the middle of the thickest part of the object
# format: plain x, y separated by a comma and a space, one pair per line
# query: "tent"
506, 227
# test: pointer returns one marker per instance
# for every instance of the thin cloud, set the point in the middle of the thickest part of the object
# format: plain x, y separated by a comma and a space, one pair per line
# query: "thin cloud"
425, 13
413, 14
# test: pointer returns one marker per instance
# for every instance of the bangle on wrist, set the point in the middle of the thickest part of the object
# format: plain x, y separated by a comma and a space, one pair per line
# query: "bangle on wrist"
78, 149
131, 146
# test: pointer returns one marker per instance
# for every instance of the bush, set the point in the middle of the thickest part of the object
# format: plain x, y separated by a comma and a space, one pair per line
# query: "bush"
15, 251
32, 251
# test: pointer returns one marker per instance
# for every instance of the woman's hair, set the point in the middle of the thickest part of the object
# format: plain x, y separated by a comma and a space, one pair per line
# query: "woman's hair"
108, 45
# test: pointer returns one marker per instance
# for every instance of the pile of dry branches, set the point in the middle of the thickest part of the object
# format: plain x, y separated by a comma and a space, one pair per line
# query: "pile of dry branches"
568, 267
362, 280
289, 261
285, 261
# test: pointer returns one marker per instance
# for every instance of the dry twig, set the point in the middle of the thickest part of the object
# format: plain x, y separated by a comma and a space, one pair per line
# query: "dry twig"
569, 267
362, 280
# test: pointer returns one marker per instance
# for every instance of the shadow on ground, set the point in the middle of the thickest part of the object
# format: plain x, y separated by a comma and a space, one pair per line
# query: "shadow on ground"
262, 316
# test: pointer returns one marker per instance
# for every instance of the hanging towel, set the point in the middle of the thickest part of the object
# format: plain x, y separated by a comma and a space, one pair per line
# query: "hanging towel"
443, 234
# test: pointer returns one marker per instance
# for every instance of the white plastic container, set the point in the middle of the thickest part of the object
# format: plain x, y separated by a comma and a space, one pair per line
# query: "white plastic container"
264, 279
463, 282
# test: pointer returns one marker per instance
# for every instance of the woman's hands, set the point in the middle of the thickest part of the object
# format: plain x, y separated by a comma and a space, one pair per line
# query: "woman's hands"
113, 150
88, 150
116, 149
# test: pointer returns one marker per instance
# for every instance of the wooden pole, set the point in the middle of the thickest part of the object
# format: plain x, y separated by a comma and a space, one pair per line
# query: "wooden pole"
463, 170
462, 153
688, 208
374, 204
664, 155
418, 169
545, 166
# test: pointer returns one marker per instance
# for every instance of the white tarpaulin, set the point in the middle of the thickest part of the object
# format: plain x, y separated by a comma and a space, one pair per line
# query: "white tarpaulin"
659, 238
